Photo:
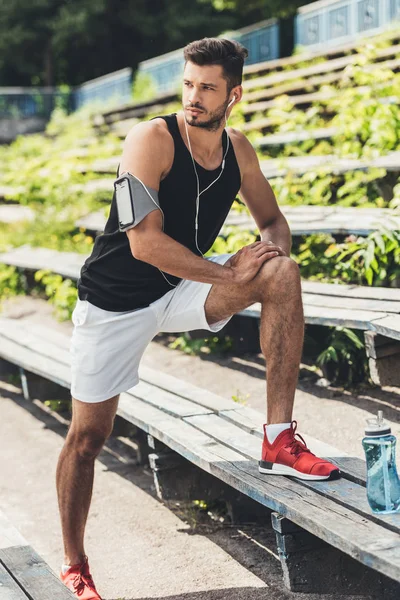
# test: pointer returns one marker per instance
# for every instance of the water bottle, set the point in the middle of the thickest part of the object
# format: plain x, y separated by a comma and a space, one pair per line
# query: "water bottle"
383, 484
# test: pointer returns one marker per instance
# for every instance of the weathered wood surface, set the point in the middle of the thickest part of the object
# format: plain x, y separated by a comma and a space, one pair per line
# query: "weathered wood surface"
296, 137
326, 53
33, 575
279, 167
320, 314
361, 307
336, 64
303, 220
23, 573
309, 83
9, 588
12, 213
67, 264
129, 111
226, 456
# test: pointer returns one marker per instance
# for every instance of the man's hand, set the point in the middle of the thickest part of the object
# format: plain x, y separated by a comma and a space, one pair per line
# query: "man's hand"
248, 260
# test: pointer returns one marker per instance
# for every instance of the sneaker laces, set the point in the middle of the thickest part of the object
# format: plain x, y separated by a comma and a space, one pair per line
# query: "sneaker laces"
297, 446
82, 579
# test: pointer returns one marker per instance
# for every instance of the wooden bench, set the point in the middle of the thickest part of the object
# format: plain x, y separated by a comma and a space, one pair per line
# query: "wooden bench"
374, 310
279, 167
327, 54
293, 88
13, 213
203, 446
303, 220
24, 575
337, 64
295, 137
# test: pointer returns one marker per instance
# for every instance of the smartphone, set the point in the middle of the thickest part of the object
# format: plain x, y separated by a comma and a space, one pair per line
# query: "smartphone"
126, 215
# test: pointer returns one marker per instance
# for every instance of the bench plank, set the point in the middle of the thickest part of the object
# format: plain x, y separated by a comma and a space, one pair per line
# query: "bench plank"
33, 575
311, 82
376, 547
303, 220
13, 213
322, 516
177, 406
347, 493
278, 167
336, 64
9, 589
195, 400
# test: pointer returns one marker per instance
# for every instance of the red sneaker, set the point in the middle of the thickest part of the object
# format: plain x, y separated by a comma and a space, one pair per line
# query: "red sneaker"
79, 580
290, 456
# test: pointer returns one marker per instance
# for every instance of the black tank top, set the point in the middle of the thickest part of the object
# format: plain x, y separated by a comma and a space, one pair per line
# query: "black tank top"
112, 279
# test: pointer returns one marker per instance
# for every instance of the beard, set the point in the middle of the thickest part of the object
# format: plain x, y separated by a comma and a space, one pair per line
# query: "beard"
214, 120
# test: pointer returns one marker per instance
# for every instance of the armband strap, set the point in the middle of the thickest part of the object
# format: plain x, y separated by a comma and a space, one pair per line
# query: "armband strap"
134, 200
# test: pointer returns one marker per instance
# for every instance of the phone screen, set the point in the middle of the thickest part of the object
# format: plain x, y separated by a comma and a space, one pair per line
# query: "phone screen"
124, 205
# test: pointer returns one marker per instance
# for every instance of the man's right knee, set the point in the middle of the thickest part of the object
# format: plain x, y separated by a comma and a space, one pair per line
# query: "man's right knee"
91, 426
87, 442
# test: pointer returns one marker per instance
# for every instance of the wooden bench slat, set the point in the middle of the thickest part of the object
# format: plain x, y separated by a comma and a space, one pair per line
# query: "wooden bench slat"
361, 304
334, 317
9, 589
33, 575
195, 445
325, 53
278, 167
303, 220
335, 64
389, 325
309, 83
197, 399
350, 290
325, 518
176, 406
35, 363
349, 494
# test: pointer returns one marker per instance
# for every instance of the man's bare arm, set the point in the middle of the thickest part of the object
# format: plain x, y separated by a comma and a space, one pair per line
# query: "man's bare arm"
146, 154
258, 196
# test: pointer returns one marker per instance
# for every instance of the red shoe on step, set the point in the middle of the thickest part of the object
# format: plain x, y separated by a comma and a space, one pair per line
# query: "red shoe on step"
79, 580
290, 456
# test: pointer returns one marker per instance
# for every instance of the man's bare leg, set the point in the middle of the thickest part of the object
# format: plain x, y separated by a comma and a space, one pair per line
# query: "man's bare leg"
91, 425
277, 286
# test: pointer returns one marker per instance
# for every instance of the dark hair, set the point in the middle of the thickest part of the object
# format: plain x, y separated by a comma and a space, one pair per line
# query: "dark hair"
219, 51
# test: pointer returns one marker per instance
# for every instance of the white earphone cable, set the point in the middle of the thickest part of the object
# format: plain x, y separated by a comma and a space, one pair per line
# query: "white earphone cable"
196, 223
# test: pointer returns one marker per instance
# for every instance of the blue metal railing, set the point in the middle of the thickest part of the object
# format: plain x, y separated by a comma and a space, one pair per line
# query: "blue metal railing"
336, 21
40, 102
262, 41
114, 86
31, 102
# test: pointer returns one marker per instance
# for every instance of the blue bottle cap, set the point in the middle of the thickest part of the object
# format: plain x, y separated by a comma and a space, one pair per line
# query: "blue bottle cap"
377, 427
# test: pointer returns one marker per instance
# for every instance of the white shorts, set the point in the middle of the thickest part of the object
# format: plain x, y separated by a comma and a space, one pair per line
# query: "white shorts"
106, 346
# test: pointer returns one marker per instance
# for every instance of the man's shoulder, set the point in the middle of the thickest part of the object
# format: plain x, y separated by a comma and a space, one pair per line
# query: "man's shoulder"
153, 130
244, 151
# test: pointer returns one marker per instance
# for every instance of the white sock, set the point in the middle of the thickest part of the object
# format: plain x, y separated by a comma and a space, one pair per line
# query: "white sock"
274, 430
64, 568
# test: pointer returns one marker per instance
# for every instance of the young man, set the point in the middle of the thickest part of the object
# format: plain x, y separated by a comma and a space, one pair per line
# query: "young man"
187, 170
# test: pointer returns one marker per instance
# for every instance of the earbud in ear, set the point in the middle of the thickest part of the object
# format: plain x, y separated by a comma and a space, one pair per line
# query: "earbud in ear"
233, 100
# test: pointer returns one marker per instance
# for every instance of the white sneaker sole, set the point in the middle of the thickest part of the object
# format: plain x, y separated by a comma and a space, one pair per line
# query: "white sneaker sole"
276, 469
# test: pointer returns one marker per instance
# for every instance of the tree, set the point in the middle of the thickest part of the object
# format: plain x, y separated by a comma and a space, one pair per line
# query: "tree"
49, 42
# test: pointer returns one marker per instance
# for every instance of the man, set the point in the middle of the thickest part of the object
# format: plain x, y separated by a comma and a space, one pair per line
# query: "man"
186, 171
